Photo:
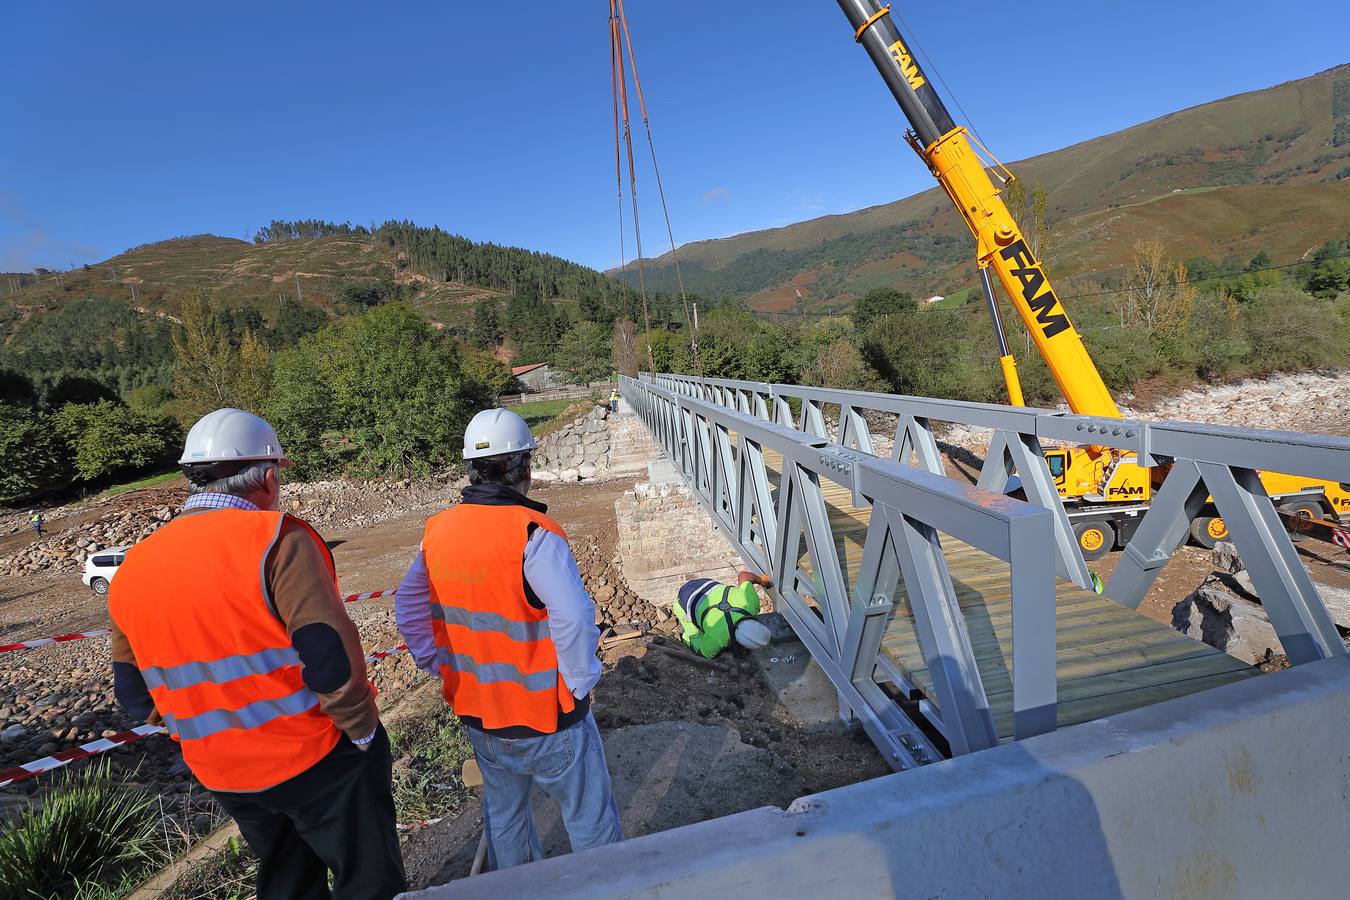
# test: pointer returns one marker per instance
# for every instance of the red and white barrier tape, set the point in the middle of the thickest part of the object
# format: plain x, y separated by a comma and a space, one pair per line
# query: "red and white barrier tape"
368, 595
103, 745
84, 751
59, 639
384, 654
62, 638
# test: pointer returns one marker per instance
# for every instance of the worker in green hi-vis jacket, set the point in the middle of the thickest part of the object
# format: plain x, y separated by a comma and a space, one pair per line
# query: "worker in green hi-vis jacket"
713, 615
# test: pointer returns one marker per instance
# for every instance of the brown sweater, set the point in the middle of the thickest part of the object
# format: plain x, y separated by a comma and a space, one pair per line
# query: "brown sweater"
303, 593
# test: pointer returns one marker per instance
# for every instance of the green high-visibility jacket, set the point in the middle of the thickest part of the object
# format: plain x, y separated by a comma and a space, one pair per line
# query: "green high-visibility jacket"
715, 635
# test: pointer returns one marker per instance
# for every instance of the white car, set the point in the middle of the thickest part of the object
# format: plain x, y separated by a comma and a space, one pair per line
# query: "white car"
101, 566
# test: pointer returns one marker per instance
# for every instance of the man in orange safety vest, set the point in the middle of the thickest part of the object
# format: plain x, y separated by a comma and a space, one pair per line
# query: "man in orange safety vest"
228, 628
495, 606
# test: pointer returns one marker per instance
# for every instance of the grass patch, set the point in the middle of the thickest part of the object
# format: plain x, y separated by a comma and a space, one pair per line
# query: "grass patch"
953, 301
141, 483
228, 875
429, 753
540, 412
91, 838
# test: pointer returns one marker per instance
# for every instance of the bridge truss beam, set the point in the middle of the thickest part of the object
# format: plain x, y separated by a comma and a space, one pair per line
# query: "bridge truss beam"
720, 450
717, 431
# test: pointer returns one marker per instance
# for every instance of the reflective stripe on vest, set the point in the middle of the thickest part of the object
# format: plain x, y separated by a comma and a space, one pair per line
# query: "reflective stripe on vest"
493, 673
221, 670
254, 715
488, 621
495, 651
192, 600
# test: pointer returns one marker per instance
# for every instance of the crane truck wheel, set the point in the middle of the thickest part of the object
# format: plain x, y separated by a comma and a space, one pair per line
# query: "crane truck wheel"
1094, 539
1208, 531
1299, 516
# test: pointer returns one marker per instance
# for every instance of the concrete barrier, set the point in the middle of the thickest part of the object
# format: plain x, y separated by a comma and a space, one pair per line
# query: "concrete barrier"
1240, 791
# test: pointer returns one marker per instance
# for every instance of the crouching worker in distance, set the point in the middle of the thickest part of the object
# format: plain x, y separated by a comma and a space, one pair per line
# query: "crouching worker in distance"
228, 628
713, 615
495, 606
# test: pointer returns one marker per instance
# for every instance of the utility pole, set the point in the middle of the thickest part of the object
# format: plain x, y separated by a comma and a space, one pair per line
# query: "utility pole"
299, 297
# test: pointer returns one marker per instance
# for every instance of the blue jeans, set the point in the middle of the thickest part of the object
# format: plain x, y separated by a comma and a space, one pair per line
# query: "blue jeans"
569, 766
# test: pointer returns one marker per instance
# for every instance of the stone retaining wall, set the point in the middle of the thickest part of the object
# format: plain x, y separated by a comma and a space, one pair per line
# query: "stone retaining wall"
575, 452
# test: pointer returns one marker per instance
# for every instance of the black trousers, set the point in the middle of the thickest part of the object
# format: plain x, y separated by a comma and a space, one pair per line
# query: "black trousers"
337, 816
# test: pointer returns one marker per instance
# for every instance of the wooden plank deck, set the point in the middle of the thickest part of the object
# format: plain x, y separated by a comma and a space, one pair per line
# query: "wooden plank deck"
1109, 659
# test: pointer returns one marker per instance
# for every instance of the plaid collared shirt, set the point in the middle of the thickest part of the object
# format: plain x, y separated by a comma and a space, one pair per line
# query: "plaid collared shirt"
211, 500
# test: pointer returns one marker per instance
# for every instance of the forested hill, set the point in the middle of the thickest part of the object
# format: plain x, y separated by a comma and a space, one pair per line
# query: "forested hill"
112, 321
321, 265
1262, 172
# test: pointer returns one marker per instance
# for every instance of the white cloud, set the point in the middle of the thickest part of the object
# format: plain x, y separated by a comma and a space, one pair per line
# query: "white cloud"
716, 195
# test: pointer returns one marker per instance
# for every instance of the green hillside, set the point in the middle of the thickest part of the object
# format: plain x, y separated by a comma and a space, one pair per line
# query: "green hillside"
1264, 171
317, 272
110, 322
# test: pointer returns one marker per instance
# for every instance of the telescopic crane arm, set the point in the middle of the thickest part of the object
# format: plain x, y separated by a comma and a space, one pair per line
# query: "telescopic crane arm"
946, 149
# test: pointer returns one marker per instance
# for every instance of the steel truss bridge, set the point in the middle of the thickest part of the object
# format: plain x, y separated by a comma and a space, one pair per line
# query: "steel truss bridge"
926, 599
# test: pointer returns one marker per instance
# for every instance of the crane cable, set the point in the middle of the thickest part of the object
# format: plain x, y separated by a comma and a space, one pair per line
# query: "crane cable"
616, 45
692, 325
618, 165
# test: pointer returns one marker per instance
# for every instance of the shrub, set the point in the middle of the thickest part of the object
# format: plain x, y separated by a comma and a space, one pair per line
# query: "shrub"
880, 303
916, 353
106, 438
382, 392
89, 829
1289, 330
583, 353
33, 458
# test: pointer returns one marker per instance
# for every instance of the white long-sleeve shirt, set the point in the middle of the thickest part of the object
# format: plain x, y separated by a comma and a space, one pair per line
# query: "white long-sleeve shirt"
552, 573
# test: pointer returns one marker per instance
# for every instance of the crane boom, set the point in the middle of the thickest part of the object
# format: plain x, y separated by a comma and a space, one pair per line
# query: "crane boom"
946, 149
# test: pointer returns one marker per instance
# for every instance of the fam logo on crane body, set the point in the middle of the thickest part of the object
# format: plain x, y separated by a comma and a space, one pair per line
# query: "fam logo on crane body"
1049, 314
907, 64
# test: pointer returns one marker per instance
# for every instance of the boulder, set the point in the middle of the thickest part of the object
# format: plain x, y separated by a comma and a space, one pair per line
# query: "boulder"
586, 470
1227, 622
1335, 599
569, 476
1226, 557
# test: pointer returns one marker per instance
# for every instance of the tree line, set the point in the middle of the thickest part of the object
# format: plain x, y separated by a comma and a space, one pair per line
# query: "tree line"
96, 392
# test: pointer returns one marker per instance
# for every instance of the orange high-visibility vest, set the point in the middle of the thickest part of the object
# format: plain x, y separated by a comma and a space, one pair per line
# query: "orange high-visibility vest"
496, 657
193, 603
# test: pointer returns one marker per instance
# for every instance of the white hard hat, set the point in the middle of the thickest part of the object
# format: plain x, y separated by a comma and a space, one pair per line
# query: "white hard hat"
494, 432
751, 634
232, 435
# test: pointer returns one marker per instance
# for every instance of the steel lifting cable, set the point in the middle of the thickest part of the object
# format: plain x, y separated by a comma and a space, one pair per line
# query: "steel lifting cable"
937, 72
690, 323
618, 165
617, 44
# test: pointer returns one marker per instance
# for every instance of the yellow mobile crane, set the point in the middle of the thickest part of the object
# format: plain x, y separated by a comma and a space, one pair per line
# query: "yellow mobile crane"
1106, 492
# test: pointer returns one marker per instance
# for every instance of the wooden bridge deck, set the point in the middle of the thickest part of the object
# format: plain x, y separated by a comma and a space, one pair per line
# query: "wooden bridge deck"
1109, 659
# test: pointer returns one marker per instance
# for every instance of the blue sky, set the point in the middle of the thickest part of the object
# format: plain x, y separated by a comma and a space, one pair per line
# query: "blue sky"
123, 123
